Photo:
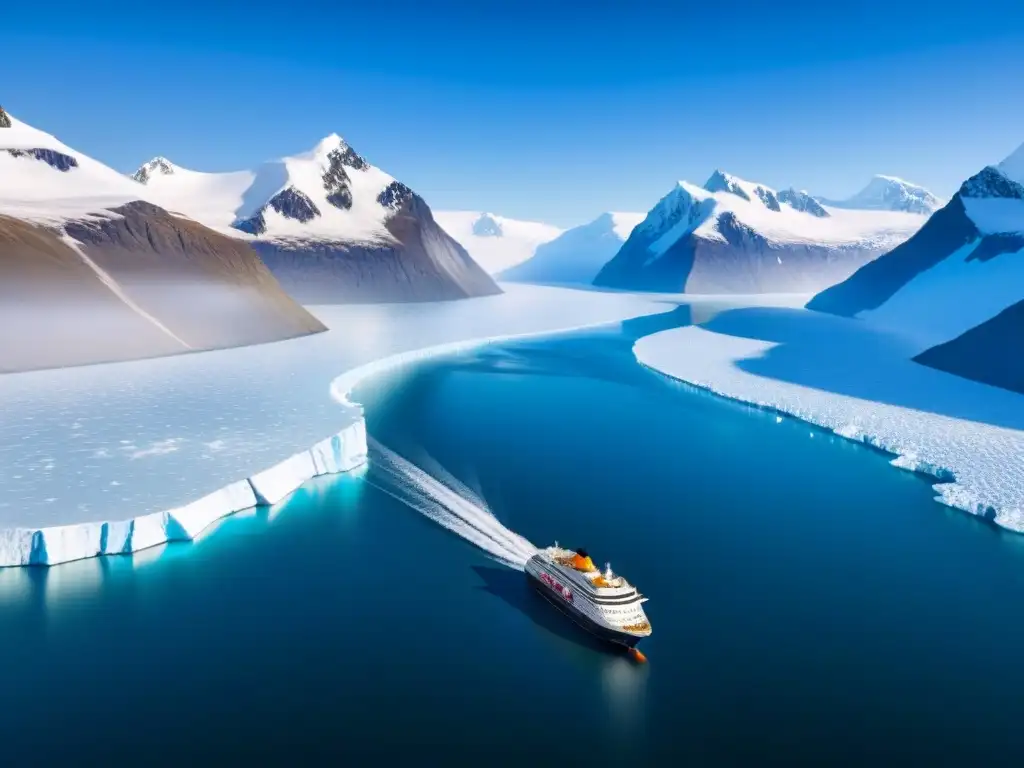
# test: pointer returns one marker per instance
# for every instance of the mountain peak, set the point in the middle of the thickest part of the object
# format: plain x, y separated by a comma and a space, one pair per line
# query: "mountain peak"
5, 120
890, 193
800, 200
881, 177
329, 143
158, 166
991, 182
720, 181
338, 154
487, 226
1012, 167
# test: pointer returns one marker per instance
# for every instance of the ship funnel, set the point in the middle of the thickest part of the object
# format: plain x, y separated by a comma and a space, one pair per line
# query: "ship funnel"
581, 561
608, 571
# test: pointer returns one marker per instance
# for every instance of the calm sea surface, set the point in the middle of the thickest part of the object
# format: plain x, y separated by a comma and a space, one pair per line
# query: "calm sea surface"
810, 604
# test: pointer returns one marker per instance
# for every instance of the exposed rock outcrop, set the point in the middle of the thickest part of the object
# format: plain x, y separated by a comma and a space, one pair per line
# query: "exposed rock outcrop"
51, 157
420, 262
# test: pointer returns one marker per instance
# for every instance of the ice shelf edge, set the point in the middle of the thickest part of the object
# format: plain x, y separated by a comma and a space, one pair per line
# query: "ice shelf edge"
951, 492
344, 451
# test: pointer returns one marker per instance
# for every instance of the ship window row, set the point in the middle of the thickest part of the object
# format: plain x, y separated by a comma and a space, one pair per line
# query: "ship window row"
622, 611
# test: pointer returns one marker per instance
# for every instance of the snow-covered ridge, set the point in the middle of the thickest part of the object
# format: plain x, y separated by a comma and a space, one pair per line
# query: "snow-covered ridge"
689, 209
801, 200
1013, 166
993, 200
962, 269
577, 255
158, 166
329, 193
720, 181
623, 222
495, 242
46, 181
987, 270
889, 193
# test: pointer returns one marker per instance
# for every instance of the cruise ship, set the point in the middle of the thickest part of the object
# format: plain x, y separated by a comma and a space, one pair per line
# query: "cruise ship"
604, 604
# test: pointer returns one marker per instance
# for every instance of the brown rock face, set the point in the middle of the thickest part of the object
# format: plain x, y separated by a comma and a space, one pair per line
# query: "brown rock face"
140, 284
5, 121
422, 264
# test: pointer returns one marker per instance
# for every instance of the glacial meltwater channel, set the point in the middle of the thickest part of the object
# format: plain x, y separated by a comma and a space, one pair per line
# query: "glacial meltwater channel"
811, 605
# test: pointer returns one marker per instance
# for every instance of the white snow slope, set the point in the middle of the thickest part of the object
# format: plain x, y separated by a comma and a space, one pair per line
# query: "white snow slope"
494, 242
1013, 166
689, 209
111, 459
961, 292
844, 376
35, 190
577, 255
952, 297
219, 200
888, 193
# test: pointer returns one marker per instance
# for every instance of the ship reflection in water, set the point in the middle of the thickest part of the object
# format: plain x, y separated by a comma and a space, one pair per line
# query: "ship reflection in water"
624, 685
623, 682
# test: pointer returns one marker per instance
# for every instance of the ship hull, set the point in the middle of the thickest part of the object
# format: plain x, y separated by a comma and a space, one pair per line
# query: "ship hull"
602, 632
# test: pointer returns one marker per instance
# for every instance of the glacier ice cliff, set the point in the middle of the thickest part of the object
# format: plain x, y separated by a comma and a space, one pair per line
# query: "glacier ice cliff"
224, 431
859, 383
342, 452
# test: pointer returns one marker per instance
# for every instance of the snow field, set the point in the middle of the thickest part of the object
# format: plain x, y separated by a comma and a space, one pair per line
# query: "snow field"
978, 461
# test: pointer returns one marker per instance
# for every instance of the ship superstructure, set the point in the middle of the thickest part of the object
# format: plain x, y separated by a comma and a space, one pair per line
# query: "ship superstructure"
603, 603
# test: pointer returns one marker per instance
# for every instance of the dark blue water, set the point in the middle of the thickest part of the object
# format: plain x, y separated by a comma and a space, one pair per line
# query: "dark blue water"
810, 604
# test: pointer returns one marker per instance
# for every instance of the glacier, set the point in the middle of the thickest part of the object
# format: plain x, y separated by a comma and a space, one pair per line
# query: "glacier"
117, 458
858, 381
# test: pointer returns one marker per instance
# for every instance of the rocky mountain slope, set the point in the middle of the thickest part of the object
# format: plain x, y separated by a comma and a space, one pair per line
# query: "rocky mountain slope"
329, 225
735, 236
90, 272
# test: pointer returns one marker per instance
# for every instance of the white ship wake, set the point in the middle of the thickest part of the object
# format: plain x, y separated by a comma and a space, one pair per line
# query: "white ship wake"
448, 502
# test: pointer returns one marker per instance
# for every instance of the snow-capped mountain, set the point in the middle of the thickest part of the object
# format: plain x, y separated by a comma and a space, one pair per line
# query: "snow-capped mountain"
497, 243
43, 179
92, 272
577, 255
331, 226
955, 289
887, 193
736, 236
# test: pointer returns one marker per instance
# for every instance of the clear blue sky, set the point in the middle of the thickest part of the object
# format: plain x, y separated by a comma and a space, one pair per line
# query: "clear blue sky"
553, 110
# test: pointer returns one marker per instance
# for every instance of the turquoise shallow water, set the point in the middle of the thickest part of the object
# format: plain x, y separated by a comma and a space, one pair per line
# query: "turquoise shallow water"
810, 604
